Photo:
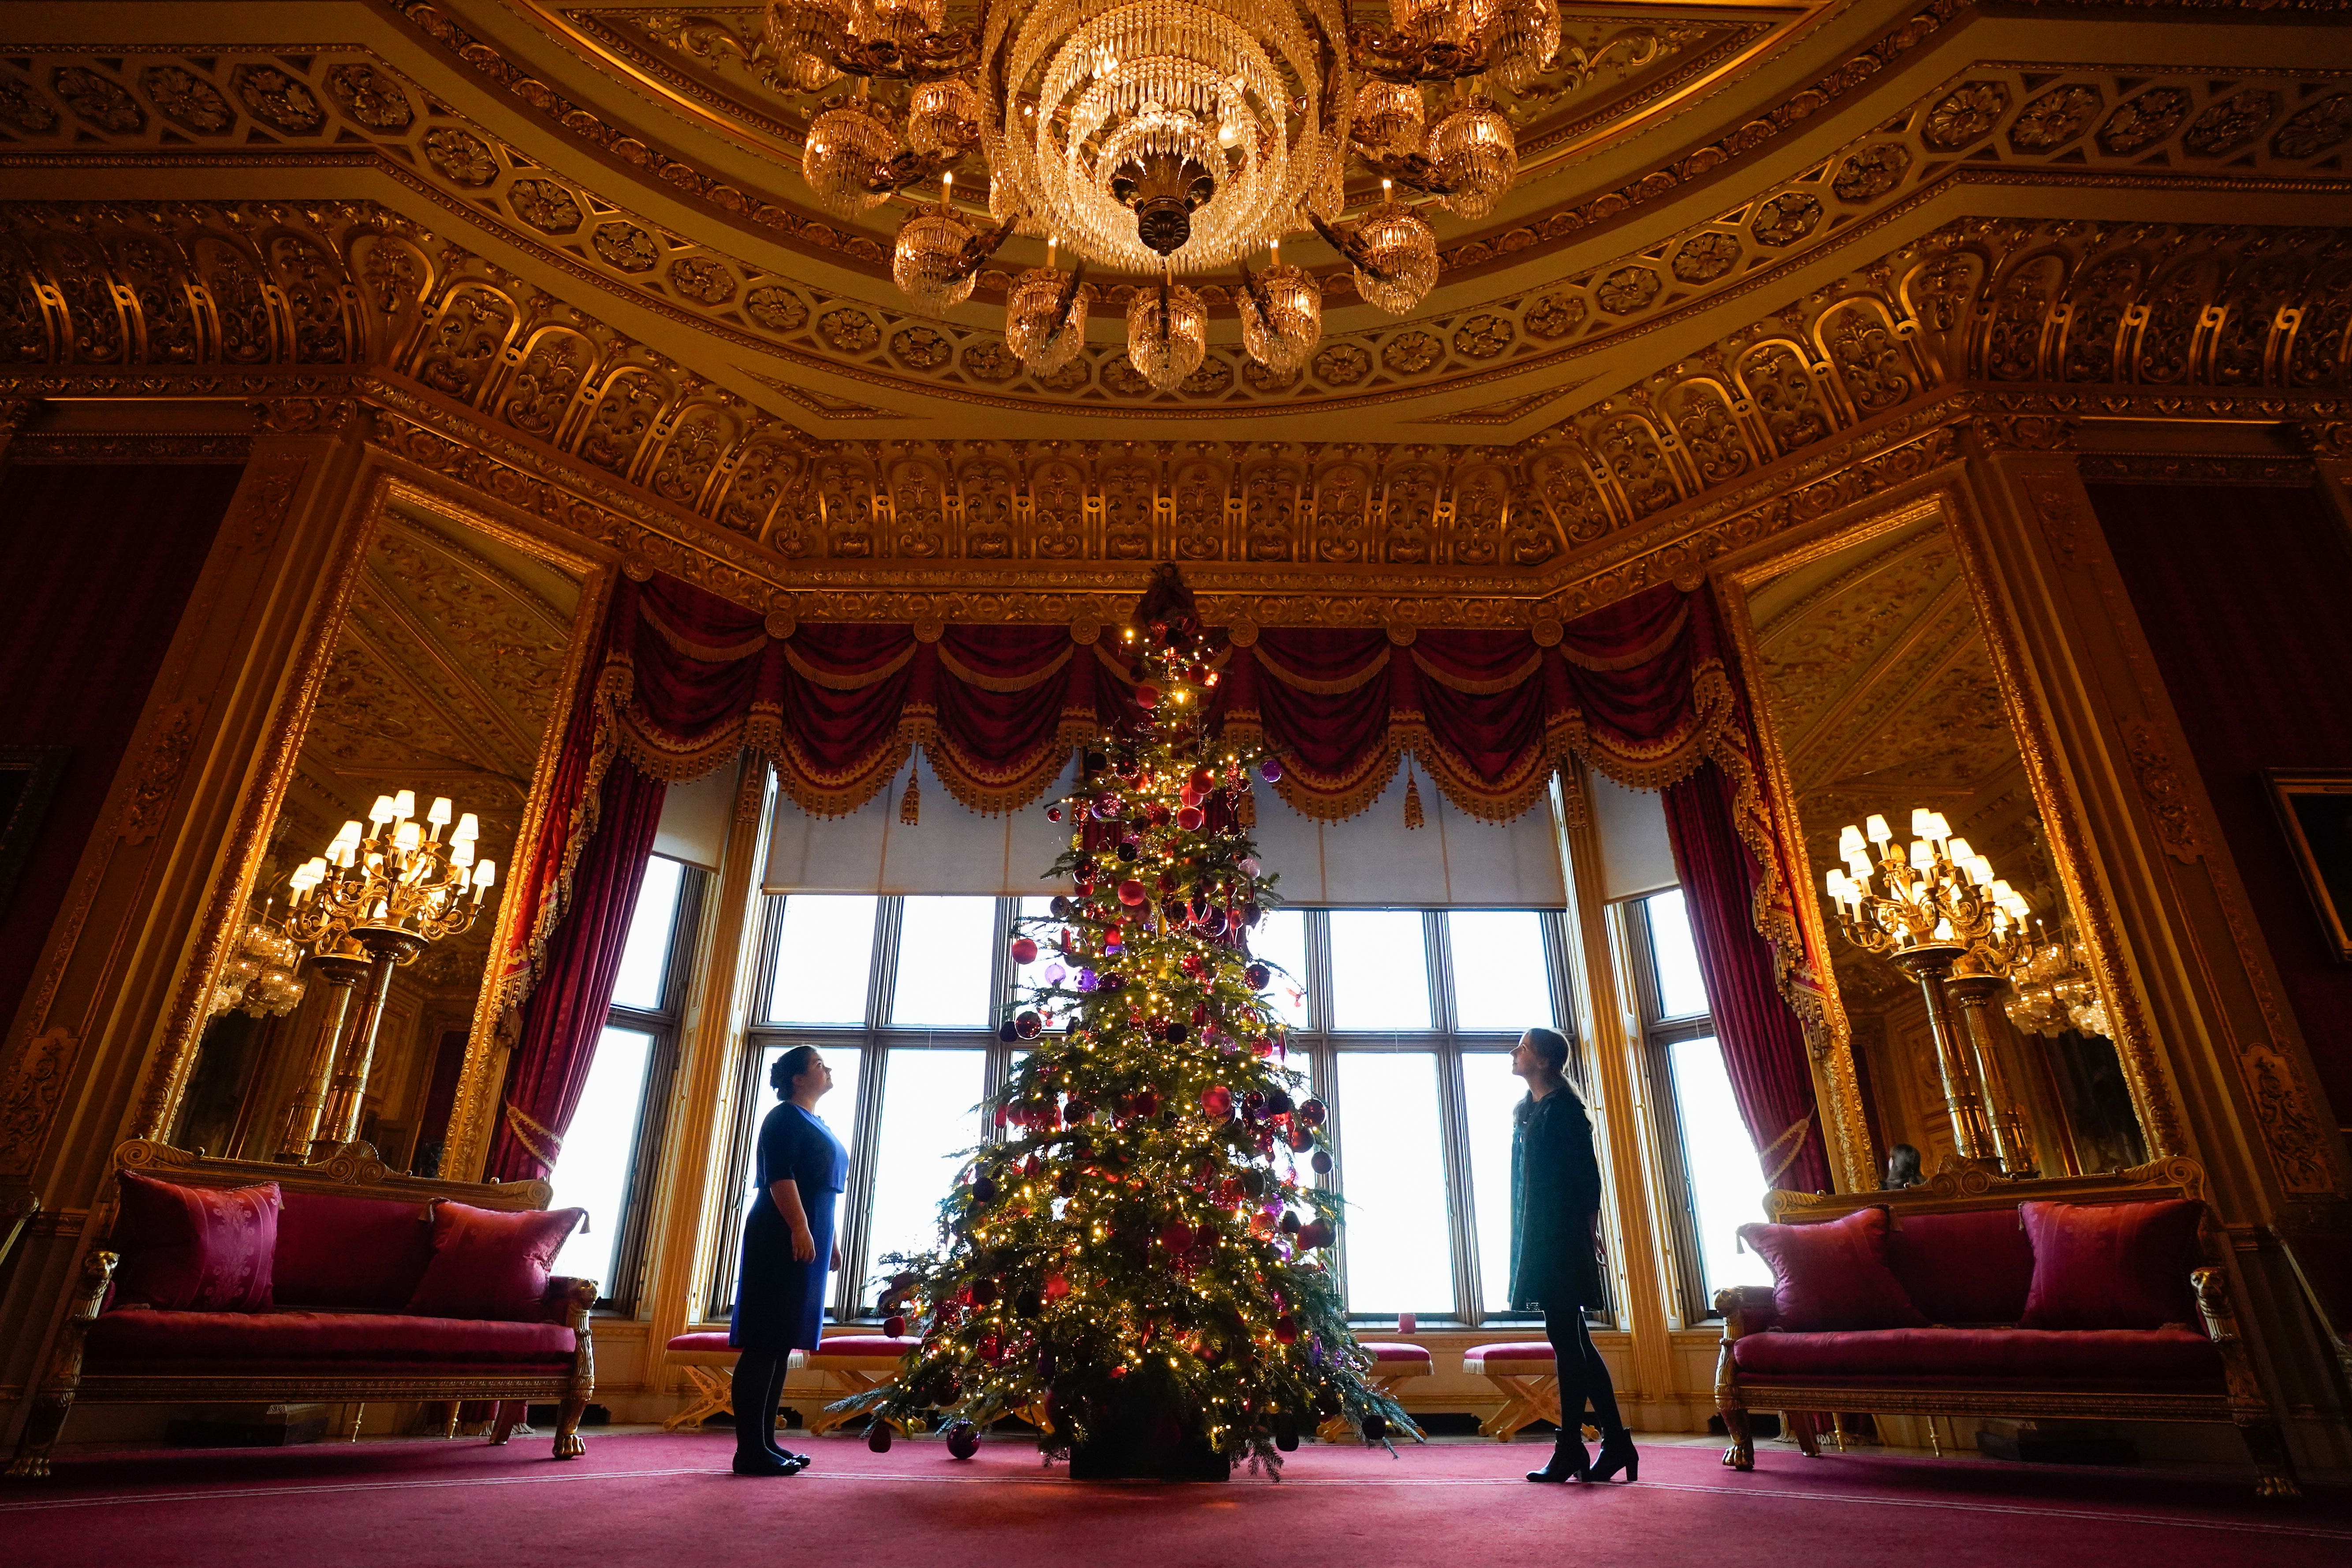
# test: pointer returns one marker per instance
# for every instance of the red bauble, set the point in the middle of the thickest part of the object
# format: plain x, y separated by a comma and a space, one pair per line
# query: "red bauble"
896, 1327
1053, 813
1147, 695
1189, 818
1200, 781
1024, 949
1130, 892
1217, 1100
877, 1436
1286, 1329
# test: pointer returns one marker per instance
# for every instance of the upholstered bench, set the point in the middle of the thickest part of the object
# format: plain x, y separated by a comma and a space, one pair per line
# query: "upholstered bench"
1393, 1366
852, 1362
2080, 1297
1523, 1370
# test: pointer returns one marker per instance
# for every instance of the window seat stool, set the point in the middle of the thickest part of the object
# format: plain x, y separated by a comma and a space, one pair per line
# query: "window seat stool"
709, 1363
854, 1363
1523, 1370
1393, 1365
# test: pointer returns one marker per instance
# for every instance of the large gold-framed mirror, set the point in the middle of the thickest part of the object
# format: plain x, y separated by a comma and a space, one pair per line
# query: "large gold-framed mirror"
450, 656
1980, 1029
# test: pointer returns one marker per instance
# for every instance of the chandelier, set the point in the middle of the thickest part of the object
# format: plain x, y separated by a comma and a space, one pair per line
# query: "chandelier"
258, 976
1160, 138
2052, 991
1936, 912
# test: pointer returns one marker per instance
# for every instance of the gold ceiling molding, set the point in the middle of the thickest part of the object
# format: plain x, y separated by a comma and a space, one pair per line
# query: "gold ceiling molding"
1849, 391
2042, 123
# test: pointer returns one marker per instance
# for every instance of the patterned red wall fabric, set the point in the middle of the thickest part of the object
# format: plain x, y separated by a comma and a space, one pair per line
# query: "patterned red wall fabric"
2245, 595
98, 561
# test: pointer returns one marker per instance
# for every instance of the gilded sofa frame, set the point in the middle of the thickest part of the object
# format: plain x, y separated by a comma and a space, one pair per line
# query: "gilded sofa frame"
1964, 1186
354, 1170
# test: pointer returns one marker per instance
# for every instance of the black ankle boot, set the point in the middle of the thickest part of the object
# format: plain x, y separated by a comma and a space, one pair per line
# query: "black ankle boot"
760, 1462
1617, 1453
1568, 1462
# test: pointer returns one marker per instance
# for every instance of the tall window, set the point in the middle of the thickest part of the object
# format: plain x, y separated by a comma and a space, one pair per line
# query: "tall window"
1403, 1021
1708, 1157
608, 1163
902, 995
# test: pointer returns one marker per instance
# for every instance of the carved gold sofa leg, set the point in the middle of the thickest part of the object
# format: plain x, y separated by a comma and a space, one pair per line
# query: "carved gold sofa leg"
2250, 1403
1741, 1453
53, 1397
568, 1445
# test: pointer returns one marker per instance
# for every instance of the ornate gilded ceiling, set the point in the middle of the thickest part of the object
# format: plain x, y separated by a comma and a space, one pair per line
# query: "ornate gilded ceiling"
1690, 169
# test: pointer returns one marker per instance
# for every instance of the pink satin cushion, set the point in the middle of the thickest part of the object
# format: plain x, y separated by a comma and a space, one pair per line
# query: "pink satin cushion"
1833, 1275
2112, 1266
196, 1250
291, 1339
1972, 1268
489, 1263
2130, 1356
336, 1250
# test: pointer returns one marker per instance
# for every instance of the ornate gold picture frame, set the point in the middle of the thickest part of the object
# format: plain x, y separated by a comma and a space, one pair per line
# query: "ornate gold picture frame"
2314, 813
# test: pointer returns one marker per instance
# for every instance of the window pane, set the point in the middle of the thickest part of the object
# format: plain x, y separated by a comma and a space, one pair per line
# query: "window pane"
929, 1119
1379, 969
824, 954
1501, 981
1489, 1093
945, 954
592, 1171
644, 960
1393, 1168
1681, 993
1049, 968
1726, 1185
1280, 938
838, 1110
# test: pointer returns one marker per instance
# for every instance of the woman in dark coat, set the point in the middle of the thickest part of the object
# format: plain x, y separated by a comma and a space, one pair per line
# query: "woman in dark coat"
788, 1250
1556, 1255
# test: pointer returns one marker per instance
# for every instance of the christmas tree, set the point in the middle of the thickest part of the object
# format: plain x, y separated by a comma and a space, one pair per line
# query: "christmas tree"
1139, 1265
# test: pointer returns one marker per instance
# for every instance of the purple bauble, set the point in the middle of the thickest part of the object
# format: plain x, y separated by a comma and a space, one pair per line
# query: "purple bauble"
1270, 769
1088, 980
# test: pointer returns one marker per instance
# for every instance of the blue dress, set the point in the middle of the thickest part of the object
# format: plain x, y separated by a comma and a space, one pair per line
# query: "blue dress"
780, 1301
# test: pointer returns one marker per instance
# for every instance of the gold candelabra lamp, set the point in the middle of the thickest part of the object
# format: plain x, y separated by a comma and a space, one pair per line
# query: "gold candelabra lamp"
1938, 911
373, 901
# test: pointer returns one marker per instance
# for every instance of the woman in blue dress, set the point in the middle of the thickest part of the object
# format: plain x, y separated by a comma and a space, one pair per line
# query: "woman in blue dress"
788, 1250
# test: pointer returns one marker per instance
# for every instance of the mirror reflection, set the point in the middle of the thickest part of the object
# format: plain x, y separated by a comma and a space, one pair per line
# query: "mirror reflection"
1978, 1034
344, 1014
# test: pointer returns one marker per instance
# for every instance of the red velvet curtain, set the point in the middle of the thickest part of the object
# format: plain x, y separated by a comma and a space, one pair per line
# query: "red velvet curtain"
1639, 689
1763, 1044
565, 1016
99, 562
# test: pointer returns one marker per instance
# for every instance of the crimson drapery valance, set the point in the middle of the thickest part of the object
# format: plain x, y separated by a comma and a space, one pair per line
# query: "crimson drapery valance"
1640, 690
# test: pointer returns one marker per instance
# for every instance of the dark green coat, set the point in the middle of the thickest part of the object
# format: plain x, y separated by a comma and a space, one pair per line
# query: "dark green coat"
1555, 1191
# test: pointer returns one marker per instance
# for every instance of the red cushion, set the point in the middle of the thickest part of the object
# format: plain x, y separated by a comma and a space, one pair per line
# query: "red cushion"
710, 1340
872, 1347
2083, 1355
339, 1250
290, 1338
2112, 1266
1963, 1267
1521, 1350
1833, 1275
488, 1263
1394, 1353
189, 1248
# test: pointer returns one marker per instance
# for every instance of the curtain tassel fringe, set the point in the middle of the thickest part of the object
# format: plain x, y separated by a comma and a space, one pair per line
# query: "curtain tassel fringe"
910, 804
1413, 813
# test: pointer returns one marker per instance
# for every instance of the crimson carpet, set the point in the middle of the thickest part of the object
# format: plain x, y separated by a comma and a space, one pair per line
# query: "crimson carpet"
654, 1497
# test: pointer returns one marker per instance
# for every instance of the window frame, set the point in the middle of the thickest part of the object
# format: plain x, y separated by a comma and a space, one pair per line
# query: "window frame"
632, 1251
1323, 1044
1678, 1203
874, 1039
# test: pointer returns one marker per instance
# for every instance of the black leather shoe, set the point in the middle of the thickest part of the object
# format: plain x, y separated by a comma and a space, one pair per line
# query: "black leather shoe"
766, 1464
1567, 1463
788, 1456
1617, 1453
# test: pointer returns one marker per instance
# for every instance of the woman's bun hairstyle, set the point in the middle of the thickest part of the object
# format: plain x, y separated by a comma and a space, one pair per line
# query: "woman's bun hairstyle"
788, 1069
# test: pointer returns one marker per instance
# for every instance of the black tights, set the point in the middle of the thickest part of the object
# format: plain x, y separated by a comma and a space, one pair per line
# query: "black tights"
759, 1384
1584, 1376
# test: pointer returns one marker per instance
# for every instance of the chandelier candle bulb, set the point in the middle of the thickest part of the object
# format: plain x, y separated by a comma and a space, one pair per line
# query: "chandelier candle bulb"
1876, 829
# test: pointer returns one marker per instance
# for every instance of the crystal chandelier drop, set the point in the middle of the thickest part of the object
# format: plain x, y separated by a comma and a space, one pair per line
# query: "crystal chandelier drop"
1163, 138
258, 977
2053, 991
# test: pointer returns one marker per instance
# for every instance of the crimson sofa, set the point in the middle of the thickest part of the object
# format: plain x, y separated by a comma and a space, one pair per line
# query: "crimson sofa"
232, 1282
2106, 1297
